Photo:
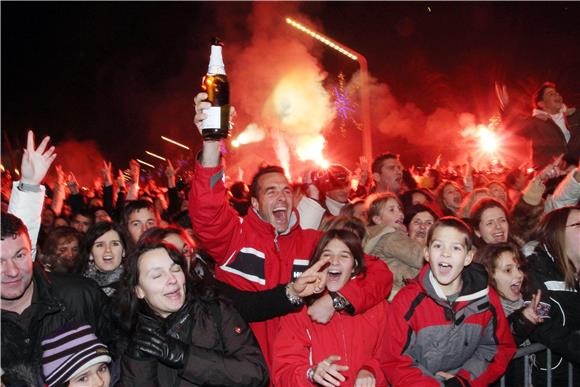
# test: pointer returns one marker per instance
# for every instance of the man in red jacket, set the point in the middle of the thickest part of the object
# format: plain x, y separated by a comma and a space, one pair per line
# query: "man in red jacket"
267, 247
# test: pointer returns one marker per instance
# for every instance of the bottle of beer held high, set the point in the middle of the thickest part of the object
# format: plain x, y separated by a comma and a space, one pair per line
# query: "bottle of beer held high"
215, 83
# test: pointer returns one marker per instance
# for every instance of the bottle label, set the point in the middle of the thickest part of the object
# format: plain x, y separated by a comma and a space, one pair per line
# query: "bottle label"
213, 120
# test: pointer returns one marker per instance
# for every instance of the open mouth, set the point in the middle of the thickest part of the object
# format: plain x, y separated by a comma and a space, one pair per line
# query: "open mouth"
516, 288
499, 237
280, 215
333, 275
445, 268
108, 258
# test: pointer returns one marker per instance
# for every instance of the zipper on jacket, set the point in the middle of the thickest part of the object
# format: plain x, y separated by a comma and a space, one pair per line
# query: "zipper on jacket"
276, 241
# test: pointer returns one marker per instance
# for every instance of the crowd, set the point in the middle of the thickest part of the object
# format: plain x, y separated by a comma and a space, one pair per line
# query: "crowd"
420, 276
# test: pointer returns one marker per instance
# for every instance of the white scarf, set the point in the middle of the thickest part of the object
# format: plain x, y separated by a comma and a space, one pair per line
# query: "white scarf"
333, 206
558, 119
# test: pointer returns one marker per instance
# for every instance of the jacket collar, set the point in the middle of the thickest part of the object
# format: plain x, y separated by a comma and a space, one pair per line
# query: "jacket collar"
544, 115
474, 285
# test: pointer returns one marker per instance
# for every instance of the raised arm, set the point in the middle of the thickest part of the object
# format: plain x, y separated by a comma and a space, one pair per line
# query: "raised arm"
27, 194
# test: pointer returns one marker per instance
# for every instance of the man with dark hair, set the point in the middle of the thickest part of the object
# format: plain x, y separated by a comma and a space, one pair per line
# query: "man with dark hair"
139, 216
553, 129
35, 303
268, 247
82, 220
387, 173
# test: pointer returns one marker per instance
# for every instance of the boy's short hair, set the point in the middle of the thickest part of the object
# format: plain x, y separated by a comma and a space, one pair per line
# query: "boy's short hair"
456, 223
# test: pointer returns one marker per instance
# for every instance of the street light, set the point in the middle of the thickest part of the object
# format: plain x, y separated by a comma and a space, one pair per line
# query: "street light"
364, 80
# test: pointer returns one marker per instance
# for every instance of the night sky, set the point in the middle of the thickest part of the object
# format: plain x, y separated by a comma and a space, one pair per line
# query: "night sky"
121, 74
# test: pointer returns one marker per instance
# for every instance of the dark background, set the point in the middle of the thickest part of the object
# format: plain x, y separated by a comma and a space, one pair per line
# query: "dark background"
121, 74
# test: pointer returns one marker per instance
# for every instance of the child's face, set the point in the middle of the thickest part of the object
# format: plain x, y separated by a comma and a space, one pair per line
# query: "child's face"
391, 215
96, 375
448, 255
508, 276
341, 264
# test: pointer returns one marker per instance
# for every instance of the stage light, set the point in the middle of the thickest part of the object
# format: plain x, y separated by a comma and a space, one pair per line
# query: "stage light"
156, 155
174, 142
145, 163
321, 38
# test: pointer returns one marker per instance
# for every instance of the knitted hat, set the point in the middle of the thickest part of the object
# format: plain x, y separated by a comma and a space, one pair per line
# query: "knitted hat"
69, 352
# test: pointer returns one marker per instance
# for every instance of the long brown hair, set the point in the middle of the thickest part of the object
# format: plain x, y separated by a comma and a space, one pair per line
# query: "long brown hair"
551, 232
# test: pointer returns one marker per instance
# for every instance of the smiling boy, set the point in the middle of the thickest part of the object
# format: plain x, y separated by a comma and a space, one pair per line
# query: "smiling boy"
447, 326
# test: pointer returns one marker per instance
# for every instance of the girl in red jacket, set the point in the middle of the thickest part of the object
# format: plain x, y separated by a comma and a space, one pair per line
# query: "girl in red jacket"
344, 351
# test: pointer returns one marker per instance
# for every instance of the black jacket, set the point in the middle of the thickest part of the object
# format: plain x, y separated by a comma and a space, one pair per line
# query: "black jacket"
222, 351
58, 299
558, 331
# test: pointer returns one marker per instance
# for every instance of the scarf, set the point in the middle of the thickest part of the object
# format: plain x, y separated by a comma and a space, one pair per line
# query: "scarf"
510, 307
105, 280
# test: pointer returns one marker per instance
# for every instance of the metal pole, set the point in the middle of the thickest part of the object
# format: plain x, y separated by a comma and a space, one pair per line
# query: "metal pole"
367, 143
366, 108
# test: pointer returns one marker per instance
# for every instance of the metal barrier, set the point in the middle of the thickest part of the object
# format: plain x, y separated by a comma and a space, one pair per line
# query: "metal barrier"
525, 352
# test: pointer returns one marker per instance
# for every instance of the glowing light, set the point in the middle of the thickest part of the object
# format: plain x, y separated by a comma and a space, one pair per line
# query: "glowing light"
156, 155
2, 167
16, 171
324, 39
174, 142
489, 141
145, 163
311, 149
252, 133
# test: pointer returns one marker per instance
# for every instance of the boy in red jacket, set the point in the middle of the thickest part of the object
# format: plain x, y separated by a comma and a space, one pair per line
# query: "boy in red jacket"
447, 326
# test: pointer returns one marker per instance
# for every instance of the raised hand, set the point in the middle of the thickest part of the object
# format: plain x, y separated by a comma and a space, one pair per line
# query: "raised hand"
312, 280
530, 311
200, 104
106, 173
72, 183
552, 170
364, 170
60, 178
121, 181
134, 169
36, 162
329, 374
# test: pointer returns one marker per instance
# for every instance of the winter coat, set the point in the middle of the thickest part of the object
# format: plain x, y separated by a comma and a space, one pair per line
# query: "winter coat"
403, 255
302, 344
222, 351
469, 338
251, 255
557, 333
58, 299
547, 138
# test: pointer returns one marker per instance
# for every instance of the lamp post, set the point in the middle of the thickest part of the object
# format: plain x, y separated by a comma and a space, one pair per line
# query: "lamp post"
364, 79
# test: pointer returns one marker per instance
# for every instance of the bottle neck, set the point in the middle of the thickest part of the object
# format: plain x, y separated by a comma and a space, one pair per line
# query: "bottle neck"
216, 62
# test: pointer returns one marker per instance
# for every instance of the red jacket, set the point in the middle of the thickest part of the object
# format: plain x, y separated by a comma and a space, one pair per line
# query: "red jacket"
251, 255
470, 338
302, 343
